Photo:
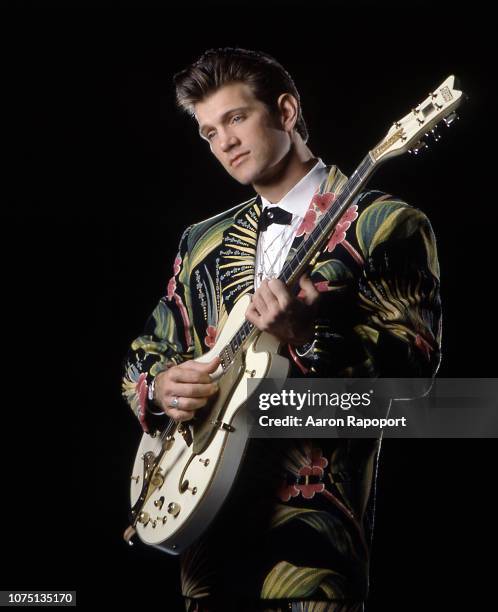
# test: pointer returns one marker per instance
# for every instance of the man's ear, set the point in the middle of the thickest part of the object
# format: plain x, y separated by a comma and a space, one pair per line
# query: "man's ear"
288, 108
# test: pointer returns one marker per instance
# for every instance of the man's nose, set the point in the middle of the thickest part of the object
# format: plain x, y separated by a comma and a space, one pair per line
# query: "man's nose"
227, 141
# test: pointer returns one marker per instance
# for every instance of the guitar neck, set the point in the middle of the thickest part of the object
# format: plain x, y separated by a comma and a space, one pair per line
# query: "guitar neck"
311, 248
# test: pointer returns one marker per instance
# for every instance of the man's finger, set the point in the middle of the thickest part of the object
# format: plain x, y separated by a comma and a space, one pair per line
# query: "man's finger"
192, 389
310, 292
209, 366
187, 404
189, 375
268, 297
253, 316
258, 302
281, 292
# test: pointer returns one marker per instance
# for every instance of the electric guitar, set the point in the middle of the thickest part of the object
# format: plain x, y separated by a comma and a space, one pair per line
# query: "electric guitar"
182, 475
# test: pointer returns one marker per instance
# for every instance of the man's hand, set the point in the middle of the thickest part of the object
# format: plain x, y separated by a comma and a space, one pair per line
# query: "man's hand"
275, 310
190, 383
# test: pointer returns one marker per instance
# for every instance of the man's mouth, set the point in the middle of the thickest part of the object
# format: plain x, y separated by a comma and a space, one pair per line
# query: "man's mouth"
235, 161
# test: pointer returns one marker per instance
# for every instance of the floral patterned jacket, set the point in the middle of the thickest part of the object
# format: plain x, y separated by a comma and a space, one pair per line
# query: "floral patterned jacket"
306, 508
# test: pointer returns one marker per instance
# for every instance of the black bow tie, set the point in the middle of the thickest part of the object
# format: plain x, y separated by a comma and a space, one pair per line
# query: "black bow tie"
274, 214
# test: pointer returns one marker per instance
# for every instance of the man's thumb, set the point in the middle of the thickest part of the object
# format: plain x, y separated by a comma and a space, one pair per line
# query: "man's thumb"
212, 366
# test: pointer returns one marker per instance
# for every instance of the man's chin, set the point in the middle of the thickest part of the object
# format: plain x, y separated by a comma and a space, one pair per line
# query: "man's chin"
244, 178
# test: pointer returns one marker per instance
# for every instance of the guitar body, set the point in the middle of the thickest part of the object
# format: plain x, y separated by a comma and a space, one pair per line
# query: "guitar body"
180, 481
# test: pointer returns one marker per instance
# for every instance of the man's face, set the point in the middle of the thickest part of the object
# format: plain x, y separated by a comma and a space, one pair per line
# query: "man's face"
242, 135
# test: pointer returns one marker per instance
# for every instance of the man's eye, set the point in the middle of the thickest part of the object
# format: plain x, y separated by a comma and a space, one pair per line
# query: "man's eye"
236, 118
210, 135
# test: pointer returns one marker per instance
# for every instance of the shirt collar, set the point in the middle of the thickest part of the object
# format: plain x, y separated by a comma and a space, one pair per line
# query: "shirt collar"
297, 200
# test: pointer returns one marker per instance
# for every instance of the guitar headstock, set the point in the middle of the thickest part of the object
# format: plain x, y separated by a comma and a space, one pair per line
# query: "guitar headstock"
407, 133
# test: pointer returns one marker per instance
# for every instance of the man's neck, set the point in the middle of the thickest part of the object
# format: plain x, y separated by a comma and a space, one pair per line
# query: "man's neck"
290, 170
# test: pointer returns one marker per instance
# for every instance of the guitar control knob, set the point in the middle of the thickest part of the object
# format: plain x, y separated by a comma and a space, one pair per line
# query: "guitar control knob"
174, 508
450, 119
159, 503
143, 518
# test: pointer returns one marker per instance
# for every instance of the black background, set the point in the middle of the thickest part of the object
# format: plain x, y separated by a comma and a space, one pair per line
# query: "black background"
103, 174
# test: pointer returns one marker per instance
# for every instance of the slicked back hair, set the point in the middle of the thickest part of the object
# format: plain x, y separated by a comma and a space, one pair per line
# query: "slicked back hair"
218, 67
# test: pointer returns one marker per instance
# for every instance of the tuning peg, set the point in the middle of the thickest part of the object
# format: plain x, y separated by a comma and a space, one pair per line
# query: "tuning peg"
420, 146
450, 119
435, 134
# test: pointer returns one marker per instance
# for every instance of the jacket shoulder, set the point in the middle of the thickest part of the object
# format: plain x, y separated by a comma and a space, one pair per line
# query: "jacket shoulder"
204, 237
383, 217
217, 223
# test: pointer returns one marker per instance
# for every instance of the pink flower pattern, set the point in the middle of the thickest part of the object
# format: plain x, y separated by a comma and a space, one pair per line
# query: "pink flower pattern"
171, 288
171, 294
176, 265
210, 338
307, 490
341, 228
308, 223
286, 491
172, 281
424, 346
319, 204
323, 201
320, 286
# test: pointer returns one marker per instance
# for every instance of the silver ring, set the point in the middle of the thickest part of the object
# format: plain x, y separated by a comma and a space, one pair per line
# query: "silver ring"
174, 402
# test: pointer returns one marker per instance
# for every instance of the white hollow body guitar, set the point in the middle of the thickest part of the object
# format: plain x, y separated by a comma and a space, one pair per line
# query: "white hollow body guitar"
182, 475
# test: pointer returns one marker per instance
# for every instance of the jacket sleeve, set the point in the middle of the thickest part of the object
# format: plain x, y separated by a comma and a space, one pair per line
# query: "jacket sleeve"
166, 339
393, 327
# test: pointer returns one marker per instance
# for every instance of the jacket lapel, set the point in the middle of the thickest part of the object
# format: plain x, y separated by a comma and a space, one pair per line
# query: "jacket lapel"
238, 254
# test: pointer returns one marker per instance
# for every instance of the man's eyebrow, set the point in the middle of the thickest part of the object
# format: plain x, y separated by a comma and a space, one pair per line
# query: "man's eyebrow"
223, 117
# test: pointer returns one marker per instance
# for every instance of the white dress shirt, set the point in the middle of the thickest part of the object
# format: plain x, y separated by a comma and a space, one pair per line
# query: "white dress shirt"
274, 244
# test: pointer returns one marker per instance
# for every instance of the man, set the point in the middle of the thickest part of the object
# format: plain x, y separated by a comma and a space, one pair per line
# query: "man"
296, 532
